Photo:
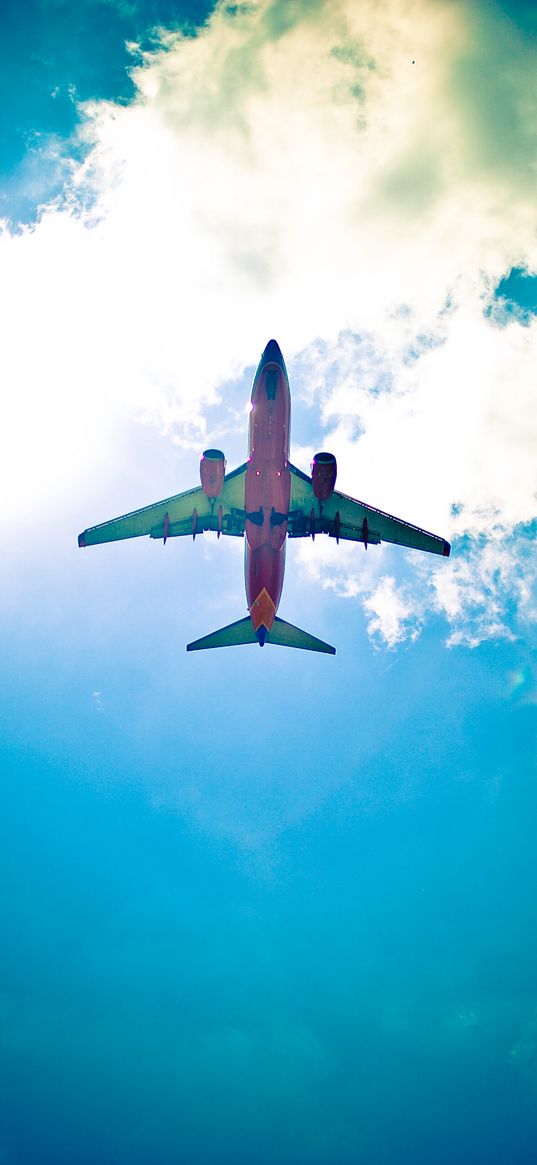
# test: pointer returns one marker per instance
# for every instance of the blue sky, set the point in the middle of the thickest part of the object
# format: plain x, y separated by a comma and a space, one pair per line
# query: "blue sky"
267, 906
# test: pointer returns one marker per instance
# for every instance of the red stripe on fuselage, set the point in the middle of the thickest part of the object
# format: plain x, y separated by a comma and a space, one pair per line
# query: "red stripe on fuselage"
268, 481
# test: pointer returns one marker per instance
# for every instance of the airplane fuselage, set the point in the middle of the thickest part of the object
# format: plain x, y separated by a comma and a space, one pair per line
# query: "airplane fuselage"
267, 489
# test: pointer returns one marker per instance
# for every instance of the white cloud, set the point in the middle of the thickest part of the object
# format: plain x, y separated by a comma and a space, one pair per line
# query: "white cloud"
390, 616
361, 214
491, 591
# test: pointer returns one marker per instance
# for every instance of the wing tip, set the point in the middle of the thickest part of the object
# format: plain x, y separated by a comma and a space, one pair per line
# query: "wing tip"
446, 549
82, 539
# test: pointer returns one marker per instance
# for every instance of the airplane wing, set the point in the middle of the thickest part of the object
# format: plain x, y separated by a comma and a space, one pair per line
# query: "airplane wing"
191, 512
344, 517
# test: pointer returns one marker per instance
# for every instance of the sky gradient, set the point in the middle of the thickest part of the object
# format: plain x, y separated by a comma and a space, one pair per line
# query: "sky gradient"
268, 907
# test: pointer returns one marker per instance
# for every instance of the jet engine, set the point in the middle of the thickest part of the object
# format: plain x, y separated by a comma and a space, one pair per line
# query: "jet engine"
212, 469
323, 475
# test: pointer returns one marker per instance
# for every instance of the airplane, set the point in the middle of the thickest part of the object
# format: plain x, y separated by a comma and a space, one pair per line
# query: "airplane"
267, 500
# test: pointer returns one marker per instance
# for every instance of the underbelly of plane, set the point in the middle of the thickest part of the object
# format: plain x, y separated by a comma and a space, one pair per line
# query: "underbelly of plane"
264, 581
267, 490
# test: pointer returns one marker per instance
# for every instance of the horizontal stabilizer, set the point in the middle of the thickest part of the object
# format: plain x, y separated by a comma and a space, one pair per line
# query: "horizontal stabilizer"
231, 636
281, 634
285, 635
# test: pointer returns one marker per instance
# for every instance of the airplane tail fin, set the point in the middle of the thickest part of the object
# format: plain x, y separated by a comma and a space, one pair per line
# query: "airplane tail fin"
281, 633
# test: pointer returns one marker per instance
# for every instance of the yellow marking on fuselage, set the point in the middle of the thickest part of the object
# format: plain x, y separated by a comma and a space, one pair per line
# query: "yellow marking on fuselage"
262, 610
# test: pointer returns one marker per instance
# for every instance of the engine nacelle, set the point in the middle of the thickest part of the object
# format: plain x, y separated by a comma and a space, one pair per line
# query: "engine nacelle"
212, 469
323, 475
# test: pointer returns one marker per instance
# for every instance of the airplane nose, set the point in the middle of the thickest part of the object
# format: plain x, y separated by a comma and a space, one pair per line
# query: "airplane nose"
272, 354
272, 349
